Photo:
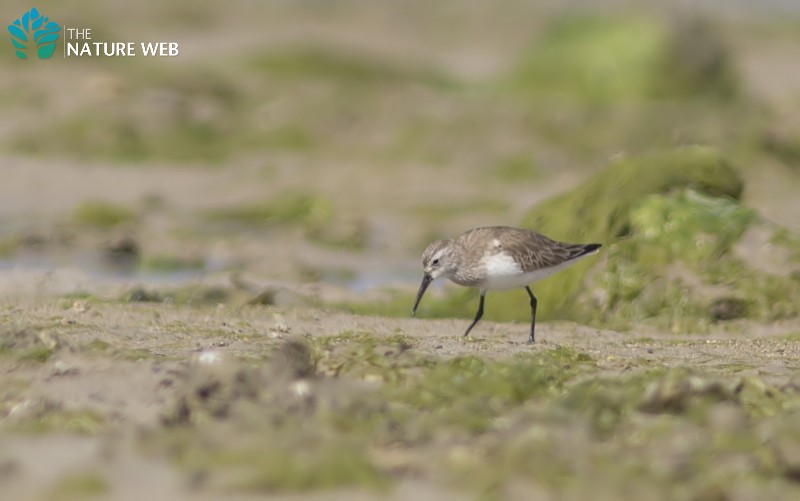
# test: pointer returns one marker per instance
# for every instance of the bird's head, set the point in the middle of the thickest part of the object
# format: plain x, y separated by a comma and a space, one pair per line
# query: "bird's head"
439, 260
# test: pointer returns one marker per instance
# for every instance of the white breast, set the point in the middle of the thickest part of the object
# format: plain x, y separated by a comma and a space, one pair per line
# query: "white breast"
502, 272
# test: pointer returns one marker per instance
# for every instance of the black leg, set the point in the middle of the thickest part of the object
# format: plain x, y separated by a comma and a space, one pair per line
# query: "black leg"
478, 314
532, 339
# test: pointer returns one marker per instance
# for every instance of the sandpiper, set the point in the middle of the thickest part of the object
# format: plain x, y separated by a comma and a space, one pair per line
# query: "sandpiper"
498, 258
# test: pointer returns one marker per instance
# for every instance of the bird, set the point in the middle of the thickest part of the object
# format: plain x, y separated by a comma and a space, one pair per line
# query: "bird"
498, 258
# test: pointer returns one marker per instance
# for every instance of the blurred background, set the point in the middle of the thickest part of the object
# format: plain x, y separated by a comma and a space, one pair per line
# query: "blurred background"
307, 152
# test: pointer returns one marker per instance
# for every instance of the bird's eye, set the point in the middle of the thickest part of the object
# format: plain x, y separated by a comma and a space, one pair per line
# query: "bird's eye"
435, 262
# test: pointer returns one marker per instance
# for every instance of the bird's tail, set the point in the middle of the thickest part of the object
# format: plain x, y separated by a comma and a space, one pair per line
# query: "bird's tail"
580, 250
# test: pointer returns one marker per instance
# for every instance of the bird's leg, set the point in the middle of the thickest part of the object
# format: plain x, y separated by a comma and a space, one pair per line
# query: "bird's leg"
533, 314
478, 314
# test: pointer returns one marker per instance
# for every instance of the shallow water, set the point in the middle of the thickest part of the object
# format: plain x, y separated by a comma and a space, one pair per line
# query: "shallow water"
69, 271
72, 271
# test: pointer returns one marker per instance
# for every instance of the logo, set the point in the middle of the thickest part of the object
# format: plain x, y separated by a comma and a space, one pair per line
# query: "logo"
34, 30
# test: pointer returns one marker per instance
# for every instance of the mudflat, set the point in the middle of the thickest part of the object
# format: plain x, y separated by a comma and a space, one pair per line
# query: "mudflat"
196, 402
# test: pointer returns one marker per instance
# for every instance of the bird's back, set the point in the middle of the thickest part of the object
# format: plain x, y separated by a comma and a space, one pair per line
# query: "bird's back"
531, 250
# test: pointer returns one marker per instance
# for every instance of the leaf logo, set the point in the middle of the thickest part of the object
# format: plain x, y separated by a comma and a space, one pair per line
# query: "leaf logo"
34, 30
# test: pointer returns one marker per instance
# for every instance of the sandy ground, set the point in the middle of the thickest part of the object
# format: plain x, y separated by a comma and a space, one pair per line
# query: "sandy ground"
132, 395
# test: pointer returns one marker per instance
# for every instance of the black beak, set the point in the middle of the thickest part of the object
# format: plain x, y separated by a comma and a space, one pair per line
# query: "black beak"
426, 281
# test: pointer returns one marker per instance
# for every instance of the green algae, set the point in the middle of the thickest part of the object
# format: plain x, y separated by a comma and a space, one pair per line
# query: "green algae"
38, 354
288, 138
322, 437
283, 209
189, 295
590, 57
631, 192
9, 246
687, 392
689, 226
439, 210
100, 214
30, 345
617, 431
314, 213
398, 305
67, 300
782, 237
366, 407
467, 394
136, 355
365, 356
600, 208
489, 402
607, 208
680, 246
292, 464
207, 113
683, 228
97, 345
516, 168
197, 114
594, 85
80, 486
330, 231
55, 419
316, 63
164, 263
624, 58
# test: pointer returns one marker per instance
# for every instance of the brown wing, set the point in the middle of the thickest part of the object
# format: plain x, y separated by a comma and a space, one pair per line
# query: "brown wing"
535, 251
532, 250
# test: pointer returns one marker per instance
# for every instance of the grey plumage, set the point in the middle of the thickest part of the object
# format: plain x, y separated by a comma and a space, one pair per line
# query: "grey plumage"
498, 257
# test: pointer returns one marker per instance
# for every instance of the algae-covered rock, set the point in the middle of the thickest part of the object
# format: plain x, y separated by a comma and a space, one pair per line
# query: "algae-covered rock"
670, 223
603, 58
688, 225
591, 57
601, 210
681, 264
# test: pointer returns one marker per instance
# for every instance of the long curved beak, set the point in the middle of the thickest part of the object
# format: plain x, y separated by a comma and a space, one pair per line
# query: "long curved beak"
426, 281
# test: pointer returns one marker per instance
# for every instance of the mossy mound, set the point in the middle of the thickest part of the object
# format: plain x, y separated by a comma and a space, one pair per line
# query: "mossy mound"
104, 215
605, 59
596, 58
600, 208
669, 223
678, 263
